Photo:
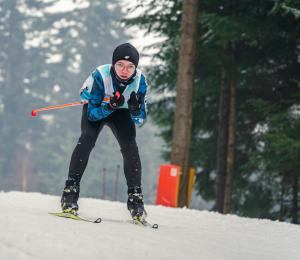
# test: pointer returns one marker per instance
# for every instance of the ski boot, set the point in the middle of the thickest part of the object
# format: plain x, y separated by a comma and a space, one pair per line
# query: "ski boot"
70, 197
135, 204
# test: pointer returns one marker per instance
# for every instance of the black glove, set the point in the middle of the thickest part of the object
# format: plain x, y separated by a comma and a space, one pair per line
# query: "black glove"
116, 101
134, 104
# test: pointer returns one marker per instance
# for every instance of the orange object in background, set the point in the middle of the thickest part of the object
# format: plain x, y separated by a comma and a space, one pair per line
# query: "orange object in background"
191, 185
168, 185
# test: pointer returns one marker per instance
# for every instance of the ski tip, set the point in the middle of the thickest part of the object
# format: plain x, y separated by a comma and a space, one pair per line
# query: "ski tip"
75, 216
98, 220
155, 226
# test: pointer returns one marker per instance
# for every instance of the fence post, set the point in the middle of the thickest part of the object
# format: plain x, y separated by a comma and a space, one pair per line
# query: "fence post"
103, 189
116, 186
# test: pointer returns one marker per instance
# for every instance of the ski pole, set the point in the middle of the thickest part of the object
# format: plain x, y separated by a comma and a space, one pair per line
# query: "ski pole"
33, 112
103, 187
116, 187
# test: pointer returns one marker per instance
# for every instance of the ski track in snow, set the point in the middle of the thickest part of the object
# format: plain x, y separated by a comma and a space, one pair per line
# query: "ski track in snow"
27, 231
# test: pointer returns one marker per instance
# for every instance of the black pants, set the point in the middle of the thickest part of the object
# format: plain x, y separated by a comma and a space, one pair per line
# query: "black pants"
123, 129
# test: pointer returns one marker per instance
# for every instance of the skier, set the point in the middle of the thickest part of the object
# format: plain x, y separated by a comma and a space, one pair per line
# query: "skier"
116, 95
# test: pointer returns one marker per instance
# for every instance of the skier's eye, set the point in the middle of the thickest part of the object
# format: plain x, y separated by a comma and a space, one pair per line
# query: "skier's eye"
131, 68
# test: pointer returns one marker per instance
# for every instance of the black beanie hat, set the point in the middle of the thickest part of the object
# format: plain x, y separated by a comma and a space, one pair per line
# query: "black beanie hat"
126, 51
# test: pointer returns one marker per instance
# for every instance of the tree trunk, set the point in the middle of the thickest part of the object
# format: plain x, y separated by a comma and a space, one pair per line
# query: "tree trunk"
231, 137
295, 198
222, 137
281, 198
184, 100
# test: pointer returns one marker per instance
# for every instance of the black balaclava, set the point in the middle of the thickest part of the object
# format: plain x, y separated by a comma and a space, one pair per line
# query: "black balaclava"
128, 52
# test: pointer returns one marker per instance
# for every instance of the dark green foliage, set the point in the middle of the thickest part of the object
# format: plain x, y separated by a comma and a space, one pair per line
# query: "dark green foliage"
278, 158
266, 34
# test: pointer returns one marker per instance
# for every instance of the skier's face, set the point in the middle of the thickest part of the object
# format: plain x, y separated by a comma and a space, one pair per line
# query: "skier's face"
124, 69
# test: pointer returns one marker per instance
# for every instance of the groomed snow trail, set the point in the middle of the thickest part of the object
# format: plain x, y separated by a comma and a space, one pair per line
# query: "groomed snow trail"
27, 231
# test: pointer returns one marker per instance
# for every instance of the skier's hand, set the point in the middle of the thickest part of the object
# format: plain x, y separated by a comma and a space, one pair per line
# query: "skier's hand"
134, 104
116, 101
82, 88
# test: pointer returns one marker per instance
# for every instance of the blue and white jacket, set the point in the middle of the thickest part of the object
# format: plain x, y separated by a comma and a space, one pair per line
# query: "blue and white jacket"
99, 87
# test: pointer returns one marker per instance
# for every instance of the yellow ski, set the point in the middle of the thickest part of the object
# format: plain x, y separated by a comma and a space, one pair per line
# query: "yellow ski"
73, 216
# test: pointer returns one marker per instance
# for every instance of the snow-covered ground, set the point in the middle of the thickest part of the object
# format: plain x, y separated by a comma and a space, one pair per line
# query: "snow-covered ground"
27, 231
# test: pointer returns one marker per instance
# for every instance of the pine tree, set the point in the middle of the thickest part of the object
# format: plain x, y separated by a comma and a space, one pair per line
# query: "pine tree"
266, 37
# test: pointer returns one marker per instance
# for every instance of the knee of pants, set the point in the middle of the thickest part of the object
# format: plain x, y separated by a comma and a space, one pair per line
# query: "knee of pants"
88, 138
126, 137
130, 149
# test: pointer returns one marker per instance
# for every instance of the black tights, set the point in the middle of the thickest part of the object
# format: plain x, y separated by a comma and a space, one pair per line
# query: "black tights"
123, 129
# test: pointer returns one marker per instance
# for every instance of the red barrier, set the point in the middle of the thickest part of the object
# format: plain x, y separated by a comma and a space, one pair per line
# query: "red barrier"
168, 185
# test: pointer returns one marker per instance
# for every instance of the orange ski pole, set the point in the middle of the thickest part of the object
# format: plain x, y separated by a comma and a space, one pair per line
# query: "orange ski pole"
33, 112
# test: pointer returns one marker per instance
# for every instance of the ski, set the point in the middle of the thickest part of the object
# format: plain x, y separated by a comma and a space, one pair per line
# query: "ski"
73, 216
143, 223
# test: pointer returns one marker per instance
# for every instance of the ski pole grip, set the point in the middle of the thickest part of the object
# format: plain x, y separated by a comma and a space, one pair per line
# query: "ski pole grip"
33, 113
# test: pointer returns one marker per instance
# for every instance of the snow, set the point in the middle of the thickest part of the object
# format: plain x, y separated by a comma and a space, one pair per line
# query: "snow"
27, 231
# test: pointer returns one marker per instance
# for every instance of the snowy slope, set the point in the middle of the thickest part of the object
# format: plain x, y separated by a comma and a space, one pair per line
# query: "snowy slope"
27, 231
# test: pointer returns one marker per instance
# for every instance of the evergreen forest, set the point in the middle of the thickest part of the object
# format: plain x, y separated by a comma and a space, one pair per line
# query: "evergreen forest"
247, 86
247, 70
